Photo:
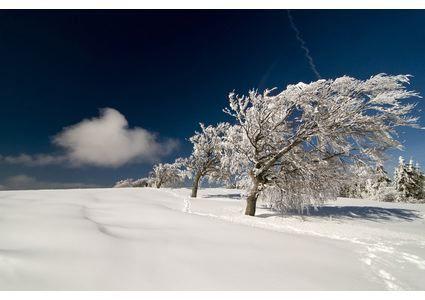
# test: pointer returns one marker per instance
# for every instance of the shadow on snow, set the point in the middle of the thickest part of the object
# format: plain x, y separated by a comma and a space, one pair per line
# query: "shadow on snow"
371, 213
231, 196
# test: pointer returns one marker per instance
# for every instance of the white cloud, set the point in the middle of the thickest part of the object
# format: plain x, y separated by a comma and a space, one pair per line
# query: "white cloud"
108, 141
25, 182
105, 141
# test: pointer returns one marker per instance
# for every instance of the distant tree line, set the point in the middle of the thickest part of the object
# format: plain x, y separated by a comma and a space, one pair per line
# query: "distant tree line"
408, 184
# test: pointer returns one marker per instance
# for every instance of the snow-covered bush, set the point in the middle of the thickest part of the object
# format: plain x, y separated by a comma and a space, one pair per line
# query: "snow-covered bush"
313, 132
141, 182
386, 194
124, 183
365, 181
378, 181
360, 178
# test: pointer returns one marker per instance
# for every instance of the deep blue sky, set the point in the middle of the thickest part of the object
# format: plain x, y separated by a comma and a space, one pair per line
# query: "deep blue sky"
168, 70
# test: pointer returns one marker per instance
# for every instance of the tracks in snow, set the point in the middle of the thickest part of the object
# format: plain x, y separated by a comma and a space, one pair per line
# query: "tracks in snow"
382, 257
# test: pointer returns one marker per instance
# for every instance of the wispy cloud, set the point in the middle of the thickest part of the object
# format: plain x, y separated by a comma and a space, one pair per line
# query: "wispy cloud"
104, 141
303, 45
34, 160
25, 182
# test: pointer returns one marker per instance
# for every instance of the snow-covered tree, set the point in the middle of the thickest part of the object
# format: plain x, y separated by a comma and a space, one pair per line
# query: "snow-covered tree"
417, 180
421, 182
377, 181
299, 140
409, 181
167, 174
400, 176
206, 158
361, 178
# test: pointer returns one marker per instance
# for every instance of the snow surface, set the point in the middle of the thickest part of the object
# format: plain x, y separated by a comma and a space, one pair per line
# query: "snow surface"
150, 239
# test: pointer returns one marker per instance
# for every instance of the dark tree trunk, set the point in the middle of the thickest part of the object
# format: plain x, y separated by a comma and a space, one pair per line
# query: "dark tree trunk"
158, 184
251, 200
251, 204
195, 185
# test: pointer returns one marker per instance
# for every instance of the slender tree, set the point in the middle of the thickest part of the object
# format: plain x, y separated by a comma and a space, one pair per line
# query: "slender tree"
206, 157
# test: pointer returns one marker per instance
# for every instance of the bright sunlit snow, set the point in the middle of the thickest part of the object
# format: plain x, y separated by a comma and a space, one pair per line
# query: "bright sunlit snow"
160, 239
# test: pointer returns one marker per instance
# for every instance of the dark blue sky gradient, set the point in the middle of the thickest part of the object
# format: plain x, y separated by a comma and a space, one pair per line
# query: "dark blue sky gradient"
168, 70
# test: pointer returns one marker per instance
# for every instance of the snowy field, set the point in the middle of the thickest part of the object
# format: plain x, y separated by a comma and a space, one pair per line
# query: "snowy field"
141, 239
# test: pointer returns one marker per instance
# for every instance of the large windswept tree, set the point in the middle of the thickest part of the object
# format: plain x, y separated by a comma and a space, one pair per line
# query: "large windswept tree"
206, 158
296, 143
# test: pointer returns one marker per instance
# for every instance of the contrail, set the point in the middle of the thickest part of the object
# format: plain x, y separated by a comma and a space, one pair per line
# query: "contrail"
303, 46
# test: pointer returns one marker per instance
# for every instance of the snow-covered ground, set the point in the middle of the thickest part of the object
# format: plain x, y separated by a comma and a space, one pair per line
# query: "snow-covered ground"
150, 239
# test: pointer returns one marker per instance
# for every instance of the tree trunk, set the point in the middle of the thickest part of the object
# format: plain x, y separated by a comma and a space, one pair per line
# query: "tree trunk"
251, 200
158, 184
251, 204
195, 185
